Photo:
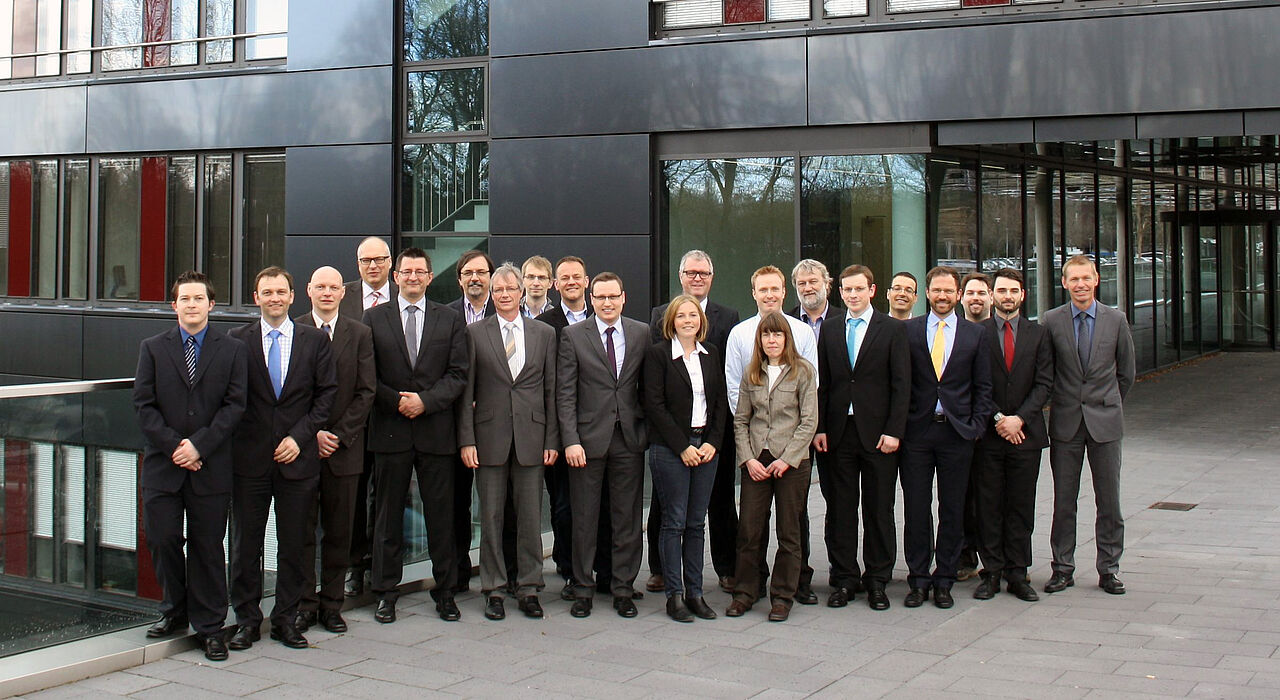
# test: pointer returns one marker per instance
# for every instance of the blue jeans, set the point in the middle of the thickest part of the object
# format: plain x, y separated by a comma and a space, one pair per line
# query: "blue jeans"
684, 493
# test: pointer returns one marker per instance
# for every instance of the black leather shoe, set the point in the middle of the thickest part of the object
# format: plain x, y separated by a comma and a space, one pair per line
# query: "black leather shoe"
877, 599
493, 609
625, 606
1023, 590
304, 620
167, 625
806, 596
988, 588
839, 597
1111, 584
289, 636
530, 606
354, 587
1059, 582
655, 583
448, 610
942, 598
331, 621
214, 648
916, 597
698, 606
677, 610
570, 590
581, 608
386, 612
244, 637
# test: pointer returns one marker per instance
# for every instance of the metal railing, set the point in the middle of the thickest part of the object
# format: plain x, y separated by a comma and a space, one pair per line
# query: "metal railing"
144, 44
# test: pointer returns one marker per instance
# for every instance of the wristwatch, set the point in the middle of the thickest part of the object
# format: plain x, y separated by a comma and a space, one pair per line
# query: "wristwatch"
998, 417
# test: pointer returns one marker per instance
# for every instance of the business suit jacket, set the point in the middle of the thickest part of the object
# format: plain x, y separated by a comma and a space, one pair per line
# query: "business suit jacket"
589, 399
782, 420
1024, 390
439, 377
497, 409
720, 320
965, 387
668, 397
303, 407
558, 321
352, 349
1093, 394
879, 387
352, 304
457, 305
205, 410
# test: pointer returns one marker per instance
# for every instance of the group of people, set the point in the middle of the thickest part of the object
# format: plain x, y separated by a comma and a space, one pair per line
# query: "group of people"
333, 413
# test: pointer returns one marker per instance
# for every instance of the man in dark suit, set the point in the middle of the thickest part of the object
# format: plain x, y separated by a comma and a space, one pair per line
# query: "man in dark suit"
373, 258
1007, 462
864, 390
1092, 375
602, 428
950, 405
189, 393
291, 387
508, 432
420, 350
341, 447
696, 274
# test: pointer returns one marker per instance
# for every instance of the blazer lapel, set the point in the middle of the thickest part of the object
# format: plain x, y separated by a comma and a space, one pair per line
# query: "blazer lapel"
598, 344
255, 352
494, 334
874, 324
177, 353
1020, 345
683, 371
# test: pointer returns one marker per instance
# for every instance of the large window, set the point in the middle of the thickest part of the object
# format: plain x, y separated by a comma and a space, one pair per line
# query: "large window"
445, 187
29, 228
445, 29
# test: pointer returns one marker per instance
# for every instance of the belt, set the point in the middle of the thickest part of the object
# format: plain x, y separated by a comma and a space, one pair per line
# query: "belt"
697, 431
939, 418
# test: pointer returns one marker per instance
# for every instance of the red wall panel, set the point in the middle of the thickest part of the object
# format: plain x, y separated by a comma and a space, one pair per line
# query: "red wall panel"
740, 11
156, 27
153, 222
20, 228
17, 506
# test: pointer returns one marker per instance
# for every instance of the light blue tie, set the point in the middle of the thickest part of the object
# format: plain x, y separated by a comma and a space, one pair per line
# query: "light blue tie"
851, 340
273, 362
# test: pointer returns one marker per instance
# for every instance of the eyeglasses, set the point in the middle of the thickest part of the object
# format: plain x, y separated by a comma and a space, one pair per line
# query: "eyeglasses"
505, 290
696, 274
899, 288
855, 290
380, 260
538, 278
415, 273
606, 297
473, 273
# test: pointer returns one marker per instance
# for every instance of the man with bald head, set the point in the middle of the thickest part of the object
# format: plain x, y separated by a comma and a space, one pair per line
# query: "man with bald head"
341, 446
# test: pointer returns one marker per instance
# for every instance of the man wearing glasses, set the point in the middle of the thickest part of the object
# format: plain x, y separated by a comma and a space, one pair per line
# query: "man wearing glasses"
536, 272
474, 268
902, 296
421, 353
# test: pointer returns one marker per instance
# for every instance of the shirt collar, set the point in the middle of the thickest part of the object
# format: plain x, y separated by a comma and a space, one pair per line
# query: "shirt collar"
804, 313
385, 291
1001, 322
286, 328
466, 303
865, 315
677, 350
320, 321
949, 318
404, 304
601, 325
519, 321
1092, 311
198, 336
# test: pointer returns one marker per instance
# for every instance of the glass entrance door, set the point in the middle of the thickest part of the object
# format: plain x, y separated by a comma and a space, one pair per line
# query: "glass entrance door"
1243, 277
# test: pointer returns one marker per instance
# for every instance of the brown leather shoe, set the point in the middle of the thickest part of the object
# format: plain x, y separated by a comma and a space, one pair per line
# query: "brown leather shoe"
655, 583
737, 608
779, 612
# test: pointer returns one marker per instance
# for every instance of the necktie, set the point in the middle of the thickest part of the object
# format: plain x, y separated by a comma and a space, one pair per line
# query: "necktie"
939, 351
610, 351
273, 362
328, 330
189, 354
509, 342
411, 334
1084, 340
377, 299
851, 340
1008, 347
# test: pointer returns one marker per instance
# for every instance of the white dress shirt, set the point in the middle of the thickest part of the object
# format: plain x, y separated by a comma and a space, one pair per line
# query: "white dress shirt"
384, 294
421, 318
693, 364
619, 342
574, 316
516, 362
741, 345
320, 323
286, 345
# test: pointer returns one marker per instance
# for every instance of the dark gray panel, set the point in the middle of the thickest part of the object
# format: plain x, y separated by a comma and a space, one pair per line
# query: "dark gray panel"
697, 86
967, 133
126, 333
340, 33
42, 121
41, 344
1155, 126
589, 184
1086, 129
303, 254
1116, 65
275, 109
543, 26
867, 138
1262, 123
628, 256
339, 189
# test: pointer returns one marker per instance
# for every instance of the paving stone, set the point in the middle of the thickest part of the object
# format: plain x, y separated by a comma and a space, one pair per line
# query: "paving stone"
1156, 686
987, 687
403, 674
375, 689
682, 683
579, 686
120, 683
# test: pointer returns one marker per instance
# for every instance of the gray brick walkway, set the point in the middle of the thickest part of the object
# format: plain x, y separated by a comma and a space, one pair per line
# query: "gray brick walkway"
1201, 619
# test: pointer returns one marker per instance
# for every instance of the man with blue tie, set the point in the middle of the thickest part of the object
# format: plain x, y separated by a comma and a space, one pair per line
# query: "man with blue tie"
291, 388
950, 406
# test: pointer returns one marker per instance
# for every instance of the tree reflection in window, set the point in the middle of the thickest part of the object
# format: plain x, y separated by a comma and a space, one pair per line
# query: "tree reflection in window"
446, 100
438, 29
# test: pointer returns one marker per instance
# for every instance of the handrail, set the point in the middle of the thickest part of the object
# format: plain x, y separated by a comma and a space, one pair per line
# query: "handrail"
26, 391
145, 44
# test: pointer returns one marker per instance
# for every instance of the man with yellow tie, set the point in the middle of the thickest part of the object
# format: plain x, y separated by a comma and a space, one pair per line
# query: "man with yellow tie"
950, 406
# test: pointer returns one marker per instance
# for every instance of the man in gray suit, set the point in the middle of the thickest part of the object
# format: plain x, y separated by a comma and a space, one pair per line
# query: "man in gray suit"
603, 431
507, 433
1092, 375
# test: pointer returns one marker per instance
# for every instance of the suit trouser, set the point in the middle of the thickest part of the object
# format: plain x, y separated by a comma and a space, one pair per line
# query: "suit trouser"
624, 471
334, 511
194, 582
251, 500
556, 478
973, 526
790, 491
1006, 480
394, 471
1066, 459
362, 519
463, 529
499, 485
722, 516
848, 465
937, 449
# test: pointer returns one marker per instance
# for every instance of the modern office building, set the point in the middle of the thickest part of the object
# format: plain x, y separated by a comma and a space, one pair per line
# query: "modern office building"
139, 138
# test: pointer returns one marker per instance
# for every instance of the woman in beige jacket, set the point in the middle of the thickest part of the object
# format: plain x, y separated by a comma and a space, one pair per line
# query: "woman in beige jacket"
776, 420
